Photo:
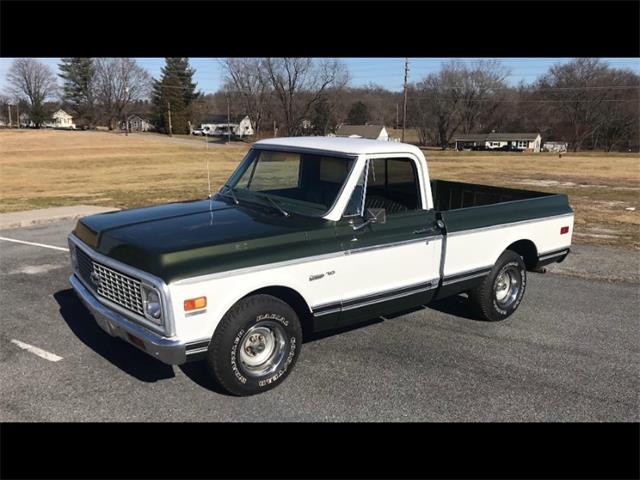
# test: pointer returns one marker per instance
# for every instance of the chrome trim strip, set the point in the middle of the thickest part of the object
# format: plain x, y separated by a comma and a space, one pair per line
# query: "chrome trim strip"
168, 327
467, 277
506, 225
421, 287
386, 299
257, 268
551, 255
389, 245
296, 261
197, 350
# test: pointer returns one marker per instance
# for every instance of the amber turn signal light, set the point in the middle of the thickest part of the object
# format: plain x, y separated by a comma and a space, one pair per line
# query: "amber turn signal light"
195, 303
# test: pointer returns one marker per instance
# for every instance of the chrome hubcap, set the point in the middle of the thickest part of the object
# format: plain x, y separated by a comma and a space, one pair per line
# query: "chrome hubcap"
507, 287
262, 348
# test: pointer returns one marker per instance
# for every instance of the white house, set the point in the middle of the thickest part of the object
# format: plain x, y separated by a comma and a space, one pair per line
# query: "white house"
373, 132
61, 119
220, 125
137, 123
493, 141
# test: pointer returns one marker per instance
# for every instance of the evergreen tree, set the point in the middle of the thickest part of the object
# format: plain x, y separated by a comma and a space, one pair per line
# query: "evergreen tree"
78, 75
324, 118
176, 88
359, 114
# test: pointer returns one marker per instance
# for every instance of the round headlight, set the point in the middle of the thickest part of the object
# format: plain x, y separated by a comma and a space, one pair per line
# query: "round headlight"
152, 305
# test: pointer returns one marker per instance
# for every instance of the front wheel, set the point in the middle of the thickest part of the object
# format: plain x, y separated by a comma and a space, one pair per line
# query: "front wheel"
501, 292
255, 346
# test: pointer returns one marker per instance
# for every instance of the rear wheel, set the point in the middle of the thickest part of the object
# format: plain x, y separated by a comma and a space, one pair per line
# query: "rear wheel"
255, 346
501, 292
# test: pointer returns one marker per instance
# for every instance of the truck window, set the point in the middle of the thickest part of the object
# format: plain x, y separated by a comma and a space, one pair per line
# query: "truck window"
304, 183
393, 184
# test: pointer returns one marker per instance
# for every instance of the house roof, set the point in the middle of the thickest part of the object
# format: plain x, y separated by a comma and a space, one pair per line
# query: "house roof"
480, 137
351, 146
61, 113
364, 131
140, 116
222, 118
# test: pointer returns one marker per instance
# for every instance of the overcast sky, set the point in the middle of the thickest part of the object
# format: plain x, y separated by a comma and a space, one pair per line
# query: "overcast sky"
387, 72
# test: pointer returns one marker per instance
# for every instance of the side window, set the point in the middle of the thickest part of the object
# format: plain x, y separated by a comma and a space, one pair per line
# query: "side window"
393, 184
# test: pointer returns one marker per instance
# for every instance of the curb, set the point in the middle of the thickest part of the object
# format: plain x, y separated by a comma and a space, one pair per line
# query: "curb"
49, 215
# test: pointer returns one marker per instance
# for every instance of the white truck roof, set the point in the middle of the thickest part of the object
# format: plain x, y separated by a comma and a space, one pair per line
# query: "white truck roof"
355, 146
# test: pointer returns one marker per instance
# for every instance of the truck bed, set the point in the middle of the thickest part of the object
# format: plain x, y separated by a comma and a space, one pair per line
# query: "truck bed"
466, 206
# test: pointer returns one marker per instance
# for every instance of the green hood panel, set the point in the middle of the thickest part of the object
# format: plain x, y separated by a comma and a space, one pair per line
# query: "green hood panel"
187, 239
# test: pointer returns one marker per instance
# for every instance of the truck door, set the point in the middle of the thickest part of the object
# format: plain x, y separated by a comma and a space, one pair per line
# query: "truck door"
391, 242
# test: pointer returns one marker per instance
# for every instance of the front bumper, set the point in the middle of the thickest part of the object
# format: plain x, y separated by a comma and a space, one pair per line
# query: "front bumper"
167, 350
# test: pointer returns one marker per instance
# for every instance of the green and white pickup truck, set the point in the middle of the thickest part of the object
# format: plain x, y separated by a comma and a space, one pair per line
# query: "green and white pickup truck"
307, 235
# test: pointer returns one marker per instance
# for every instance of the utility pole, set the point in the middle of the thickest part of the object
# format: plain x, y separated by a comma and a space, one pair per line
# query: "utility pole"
404, 108
126, 114
170, 128
9, 108
18, 114
228, 121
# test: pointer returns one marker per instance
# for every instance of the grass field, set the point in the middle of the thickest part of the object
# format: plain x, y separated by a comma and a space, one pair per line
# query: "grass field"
49, 168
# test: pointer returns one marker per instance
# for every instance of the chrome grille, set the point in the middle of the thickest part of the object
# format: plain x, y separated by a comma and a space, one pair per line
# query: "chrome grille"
112, 285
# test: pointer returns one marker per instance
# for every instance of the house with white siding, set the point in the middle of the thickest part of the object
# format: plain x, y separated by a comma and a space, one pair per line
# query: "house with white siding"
221, 125
62, 119
492, 141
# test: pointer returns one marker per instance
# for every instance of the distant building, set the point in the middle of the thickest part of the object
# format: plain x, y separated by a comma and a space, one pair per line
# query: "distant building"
220, 125
557, 147
137, 123
494, 141
61, 119
373, 132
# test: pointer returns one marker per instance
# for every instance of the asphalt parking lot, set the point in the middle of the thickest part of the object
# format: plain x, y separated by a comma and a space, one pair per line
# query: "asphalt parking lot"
570, 353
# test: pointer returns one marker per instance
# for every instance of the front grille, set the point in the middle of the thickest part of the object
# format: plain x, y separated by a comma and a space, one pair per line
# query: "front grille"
112, 285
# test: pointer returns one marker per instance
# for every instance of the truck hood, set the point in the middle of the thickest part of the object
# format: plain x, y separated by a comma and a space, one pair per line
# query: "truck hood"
186, 239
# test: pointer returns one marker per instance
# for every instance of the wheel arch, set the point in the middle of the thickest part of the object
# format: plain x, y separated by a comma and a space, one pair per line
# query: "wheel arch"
291, 297
527, 250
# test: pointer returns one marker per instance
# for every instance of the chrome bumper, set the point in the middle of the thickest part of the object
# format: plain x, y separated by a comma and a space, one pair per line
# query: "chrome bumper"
167, 350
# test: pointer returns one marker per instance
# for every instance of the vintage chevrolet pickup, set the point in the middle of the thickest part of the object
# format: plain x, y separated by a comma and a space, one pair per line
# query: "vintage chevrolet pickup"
307, 235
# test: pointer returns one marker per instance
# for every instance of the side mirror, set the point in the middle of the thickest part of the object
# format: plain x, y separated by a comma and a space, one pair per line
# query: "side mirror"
372, 215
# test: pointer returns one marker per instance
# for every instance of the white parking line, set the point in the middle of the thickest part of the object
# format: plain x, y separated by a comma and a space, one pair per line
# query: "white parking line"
34, 244
37, 351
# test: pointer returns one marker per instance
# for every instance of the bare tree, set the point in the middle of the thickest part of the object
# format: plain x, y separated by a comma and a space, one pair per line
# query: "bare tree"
482, 84
247, 79
299, 83
34, 82
120, 82
575, 92
439, 103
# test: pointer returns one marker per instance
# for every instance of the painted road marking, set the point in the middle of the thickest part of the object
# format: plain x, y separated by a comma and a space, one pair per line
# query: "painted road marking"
37, 351
34, 244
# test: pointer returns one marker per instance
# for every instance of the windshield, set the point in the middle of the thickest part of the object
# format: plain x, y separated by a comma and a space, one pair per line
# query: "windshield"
304, 183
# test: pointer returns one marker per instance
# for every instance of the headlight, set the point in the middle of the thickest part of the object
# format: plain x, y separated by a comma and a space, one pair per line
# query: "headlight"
152, 305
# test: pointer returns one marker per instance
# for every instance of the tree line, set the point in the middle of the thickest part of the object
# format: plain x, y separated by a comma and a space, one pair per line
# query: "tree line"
585, 102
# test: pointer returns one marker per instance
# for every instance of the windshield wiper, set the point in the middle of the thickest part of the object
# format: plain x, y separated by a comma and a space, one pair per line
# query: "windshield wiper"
230, 193
275, 204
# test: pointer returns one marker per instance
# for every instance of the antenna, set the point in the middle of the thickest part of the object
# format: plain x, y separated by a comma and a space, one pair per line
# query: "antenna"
210, 200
